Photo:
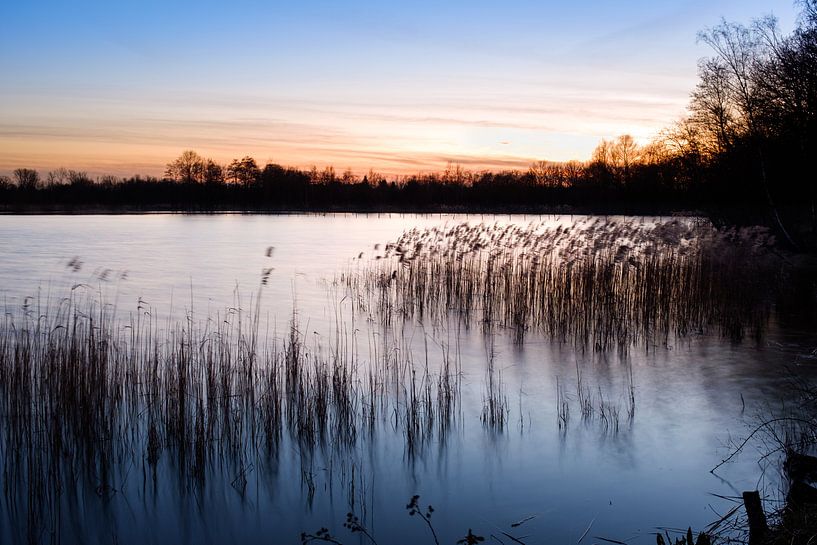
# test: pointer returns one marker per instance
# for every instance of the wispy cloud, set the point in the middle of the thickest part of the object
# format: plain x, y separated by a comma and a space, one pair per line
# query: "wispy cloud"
119, 85
397, 133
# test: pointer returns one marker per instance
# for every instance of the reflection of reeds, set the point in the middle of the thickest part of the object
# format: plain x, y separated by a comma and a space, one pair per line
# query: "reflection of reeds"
562, 406
594, 407
495, 402
599, 285
84, 397
630, 393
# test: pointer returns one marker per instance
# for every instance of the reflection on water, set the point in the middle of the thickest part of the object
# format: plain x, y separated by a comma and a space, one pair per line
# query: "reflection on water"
238, 392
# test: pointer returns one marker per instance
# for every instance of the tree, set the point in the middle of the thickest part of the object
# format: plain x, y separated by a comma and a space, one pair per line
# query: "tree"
58, 176
809, 11
79, 177
212, 172
551, 174
540, 171
788, 82
737, 55
374, 178
328, 175
348, 177
713, 107
188, 167
655, 153
108, 180
454, 174
624, 153
616, 157
64, 176
602, 155
26, 178
755, 78
574, 170
244, 171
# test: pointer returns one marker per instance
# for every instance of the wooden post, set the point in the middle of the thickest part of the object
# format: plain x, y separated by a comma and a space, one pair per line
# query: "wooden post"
757, 518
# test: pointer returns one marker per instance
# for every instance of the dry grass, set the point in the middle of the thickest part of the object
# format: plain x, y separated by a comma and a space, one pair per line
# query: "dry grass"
85, 398
599, 285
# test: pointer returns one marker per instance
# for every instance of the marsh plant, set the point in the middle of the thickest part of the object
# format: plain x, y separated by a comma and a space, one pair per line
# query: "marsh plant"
88, 398
596, 284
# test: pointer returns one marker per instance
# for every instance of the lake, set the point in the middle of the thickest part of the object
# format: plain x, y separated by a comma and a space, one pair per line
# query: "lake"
618, 470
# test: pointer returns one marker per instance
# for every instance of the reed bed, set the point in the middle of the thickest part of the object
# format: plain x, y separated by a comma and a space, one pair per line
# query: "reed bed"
86, 398
597, 284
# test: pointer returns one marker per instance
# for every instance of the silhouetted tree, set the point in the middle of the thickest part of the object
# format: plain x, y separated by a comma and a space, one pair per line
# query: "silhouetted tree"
623, 154
743, 57
541, 172
79, 178
454, 174
212, 172
244, 172
64, 176
26, 178
737, 55
327, 176
713, 108
613, 159
374, 178
348, 177
187, 167
58, 176
109, 180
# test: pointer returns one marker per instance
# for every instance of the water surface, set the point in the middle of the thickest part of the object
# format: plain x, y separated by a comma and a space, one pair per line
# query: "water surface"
692, 397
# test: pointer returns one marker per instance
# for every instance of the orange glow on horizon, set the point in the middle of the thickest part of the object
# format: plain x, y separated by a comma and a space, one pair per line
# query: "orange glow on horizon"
405, 131
150, 160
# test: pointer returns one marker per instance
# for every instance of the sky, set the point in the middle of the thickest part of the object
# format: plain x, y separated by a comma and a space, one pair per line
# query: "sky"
123, 87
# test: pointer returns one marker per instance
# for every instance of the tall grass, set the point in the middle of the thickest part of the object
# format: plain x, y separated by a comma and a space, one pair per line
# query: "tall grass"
597, 284
86, 397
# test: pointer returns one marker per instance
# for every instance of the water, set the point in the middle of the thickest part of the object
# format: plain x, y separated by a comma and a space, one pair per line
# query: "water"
692, 399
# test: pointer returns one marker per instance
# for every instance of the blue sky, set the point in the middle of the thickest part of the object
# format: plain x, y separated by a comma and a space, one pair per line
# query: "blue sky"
124, 87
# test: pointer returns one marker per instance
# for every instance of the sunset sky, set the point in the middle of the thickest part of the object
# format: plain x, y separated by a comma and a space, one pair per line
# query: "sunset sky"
115, 87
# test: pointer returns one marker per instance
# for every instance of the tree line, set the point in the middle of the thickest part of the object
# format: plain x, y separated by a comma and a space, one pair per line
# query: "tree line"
746, 143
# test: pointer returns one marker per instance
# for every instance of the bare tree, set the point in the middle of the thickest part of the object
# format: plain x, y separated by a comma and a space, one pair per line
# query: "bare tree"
712, 106
349, 177
603, 154
26, 178
655, 153
739, 49
617, 156
58, 176
188, 167
808, 11
374, 178
624, 153
456, 175
79, 177
327, 176
540, 171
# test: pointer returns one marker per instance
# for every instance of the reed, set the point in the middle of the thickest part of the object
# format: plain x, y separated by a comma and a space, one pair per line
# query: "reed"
495, 402
85, 397
594, 406
562, 406
597, 284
